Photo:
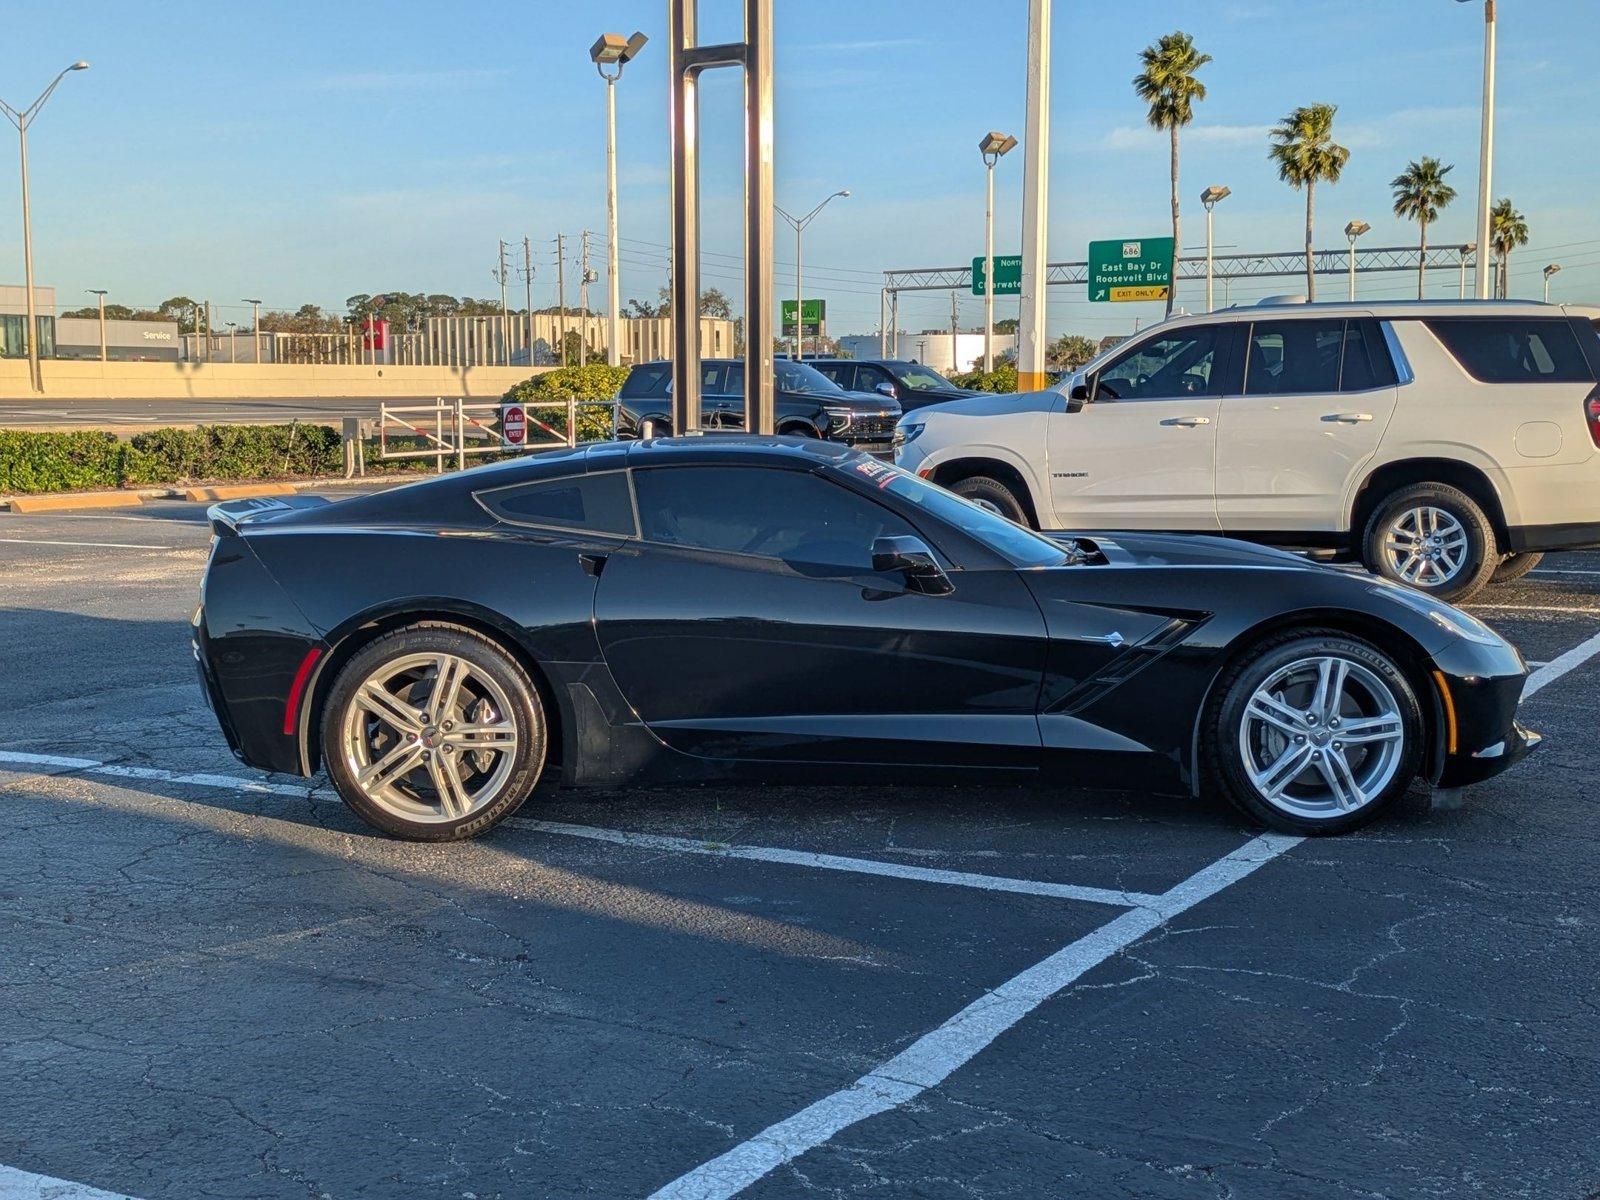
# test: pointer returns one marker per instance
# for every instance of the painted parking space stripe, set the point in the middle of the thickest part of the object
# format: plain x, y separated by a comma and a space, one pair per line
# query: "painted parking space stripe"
1561, 665
96, 545
932, 1058
24, 1185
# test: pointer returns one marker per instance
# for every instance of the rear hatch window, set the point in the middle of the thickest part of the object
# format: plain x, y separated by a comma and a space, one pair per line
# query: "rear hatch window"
1514, 349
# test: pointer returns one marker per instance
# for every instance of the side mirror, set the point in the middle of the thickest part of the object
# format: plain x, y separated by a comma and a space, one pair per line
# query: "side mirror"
1077, 397
888, 389
910, 557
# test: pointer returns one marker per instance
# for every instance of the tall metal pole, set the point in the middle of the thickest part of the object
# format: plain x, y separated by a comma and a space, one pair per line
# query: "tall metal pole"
988, 268
527, 287
955, 357
613, 255
1210, 279
894, 323
883, 323
583, 299
1352, 267
760, 395
27, 269
799, 296
101, 293
1486, 151
501, 274
255, 325
561, 291
1031, 333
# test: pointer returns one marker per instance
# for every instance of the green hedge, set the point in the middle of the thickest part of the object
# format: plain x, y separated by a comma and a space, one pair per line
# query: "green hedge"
54, 462
1002, 379
595, 381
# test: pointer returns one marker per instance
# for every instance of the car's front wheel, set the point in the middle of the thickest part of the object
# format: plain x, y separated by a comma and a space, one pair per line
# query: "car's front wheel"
433, 733
988, 492
1313, 733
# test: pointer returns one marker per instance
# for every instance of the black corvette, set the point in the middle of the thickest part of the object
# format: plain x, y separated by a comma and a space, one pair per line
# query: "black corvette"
724, 606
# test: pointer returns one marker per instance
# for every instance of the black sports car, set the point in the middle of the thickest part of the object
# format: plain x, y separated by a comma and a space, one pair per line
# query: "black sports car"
729, 605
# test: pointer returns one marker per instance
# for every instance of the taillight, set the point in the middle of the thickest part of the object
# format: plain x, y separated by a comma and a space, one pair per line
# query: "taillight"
1591, 414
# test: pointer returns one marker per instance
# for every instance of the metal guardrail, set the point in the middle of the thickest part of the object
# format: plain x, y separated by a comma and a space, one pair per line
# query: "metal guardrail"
453, 430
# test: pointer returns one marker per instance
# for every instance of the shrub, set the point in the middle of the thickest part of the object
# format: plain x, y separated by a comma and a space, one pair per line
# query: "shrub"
594, 381
48, 462
1002, 379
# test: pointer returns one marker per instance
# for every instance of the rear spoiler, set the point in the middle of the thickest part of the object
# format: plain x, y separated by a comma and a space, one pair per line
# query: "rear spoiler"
226, 518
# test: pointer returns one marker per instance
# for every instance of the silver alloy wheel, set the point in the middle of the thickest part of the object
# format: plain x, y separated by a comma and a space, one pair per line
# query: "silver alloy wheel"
1426, 546
1322, 737
430, 738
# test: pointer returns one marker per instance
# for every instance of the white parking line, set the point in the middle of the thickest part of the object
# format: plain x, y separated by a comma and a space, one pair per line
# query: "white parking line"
932, 1058
1543, 608
835, 862
1561, 571
1560, 665
24, 1185
100, 545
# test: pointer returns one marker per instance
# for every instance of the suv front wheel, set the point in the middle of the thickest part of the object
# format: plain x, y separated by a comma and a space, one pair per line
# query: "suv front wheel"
988, 492
1432, 537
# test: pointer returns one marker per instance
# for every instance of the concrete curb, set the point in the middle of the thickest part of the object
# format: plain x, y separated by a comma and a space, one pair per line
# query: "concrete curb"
241, 491
61, 501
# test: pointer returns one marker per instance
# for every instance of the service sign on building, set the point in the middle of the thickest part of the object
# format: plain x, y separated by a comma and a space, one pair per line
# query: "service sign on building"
1130, 269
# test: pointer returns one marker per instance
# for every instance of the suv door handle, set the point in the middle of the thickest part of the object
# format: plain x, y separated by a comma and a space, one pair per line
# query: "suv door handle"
1187, 421
1348, 418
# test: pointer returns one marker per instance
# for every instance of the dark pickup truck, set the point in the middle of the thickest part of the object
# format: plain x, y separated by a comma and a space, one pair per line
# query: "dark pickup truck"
808, 403
910, 384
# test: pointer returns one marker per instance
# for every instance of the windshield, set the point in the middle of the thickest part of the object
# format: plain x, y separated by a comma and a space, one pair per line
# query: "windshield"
1018, 546
808, 381
922, 379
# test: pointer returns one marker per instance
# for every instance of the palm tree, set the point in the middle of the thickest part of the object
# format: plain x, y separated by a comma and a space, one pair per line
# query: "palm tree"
1420, 193
1508, 229
1306, 154
1168, 85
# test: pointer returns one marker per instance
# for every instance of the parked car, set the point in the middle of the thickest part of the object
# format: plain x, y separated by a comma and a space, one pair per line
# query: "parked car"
1442, 444
912, 384
724, 607
809, 404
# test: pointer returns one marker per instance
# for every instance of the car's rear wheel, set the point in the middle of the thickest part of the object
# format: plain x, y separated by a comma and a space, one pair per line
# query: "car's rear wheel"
433, 733
1432, 537
1514, 566
1313, 733
988, 492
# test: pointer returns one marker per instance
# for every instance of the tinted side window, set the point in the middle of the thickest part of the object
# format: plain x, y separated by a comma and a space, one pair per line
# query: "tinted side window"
838, 372
598, 503
1513, 350
1366, 358
1173, 367
1293, 358
788, 515
648, 379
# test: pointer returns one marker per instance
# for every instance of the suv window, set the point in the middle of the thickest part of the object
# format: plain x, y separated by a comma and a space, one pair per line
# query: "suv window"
648, 379
1366, 363
1513, 349
788, 515
1172, 367
597, 503
1293, 358
836, 371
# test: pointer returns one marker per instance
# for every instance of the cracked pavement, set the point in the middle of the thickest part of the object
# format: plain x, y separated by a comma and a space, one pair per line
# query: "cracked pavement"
207, 992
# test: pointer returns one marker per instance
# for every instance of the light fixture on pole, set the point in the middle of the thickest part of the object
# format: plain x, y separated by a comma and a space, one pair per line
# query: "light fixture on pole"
22, 120
992, 145
1352, 231
799, 224
1486, 147
101, 292
1549, 271
255, 325
615, 51
1211, 197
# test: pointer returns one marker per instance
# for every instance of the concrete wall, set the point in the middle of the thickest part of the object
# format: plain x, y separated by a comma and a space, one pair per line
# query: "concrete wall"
69, 380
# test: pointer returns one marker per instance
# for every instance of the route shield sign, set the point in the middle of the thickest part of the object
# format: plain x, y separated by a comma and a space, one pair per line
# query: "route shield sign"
1133, 269
1007, 275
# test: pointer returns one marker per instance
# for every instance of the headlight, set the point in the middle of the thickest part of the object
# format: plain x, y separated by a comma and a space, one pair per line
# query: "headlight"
907, 431
1452, 620
840, 418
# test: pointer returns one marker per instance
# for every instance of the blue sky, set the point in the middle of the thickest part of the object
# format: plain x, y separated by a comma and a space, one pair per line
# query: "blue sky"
302, 152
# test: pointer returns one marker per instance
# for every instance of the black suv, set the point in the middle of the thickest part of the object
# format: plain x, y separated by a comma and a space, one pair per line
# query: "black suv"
809, 404
912, 384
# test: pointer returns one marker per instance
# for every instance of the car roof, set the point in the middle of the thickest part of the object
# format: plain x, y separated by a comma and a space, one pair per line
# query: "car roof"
744, 449
1274, 309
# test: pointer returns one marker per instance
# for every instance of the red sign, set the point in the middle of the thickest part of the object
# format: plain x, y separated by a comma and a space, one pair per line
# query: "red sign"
374, 334
513, 425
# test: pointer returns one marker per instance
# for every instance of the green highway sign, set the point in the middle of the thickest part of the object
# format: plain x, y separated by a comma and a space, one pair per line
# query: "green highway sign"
816, 315
1131, 269
1007, 275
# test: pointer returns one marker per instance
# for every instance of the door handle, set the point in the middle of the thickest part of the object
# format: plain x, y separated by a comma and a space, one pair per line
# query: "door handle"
1187, 421
1348, 418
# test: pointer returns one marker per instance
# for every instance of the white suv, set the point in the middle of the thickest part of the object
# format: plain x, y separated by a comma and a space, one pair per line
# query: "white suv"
1443, 444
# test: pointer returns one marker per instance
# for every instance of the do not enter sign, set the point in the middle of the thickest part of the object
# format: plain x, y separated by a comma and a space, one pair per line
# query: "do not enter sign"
513, 425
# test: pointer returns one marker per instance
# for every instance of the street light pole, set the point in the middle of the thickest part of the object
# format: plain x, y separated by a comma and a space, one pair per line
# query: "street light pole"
991, 146
1549, 271
1211, 197
611, 50
233, 347
799, 224
1486, 147
22, 120
255, 325
101, 292
1031, 324
1352, 231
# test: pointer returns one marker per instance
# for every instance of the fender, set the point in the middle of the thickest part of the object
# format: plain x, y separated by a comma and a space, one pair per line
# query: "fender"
1463, 453
1000, 453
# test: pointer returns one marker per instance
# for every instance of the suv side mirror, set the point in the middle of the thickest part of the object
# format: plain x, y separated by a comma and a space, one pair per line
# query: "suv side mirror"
1077, 397
910, 557
888, 389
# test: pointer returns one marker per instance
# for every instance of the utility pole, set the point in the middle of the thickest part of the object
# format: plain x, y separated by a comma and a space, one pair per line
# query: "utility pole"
101, 292
585, 278
500, 274
1486, 153
527, 284
561, 292
255, 325
955, 359
1035, 202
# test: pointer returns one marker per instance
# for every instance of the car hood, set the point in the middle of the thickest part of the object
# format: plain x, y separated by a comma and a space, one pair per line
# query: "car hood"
988, 404
1181, 550
862, 402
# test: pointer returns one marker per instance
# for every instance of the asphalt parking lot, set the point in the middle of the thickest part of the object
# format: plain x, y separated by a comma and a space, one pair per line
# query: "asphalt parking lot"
220, 984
